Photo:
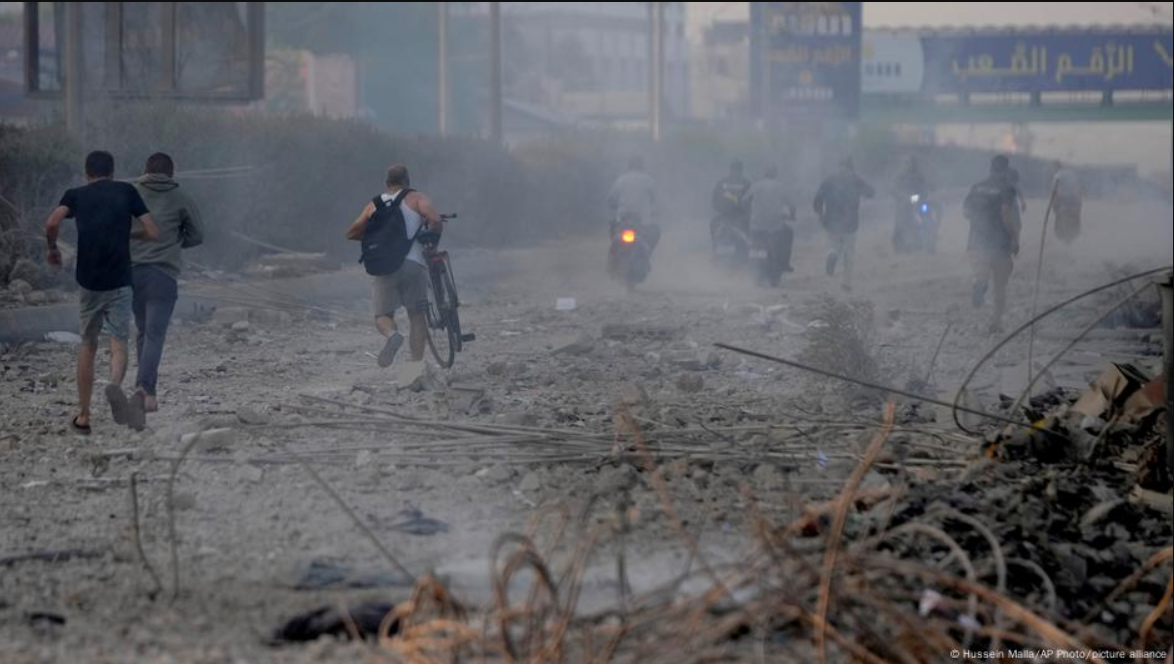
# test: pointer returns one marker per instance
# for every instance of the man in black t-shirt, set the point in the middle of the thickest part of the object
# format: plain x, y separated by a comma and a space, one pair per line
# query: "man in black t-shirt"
103, 210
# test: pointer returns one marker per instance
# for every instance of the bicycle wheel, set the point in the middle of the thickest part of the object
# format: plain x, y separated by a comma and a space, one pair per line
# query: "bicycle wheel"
452, 304
438, 337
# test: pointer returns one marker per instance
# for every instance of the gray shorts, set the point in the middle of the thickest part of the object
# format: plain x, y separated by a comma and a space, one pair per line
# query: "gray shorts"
406, 287
104, 313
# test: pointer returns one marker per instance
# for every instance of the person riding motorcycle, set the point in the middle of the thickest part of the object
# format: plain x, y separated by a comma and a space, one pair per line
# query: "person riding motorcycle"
633, 205
731, 221
771, 236
632, 201
910, 192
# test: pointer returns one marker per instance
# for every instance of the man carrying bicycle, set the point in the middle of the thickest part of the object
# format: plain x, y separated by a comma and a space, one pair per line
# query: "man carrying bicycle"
387, 228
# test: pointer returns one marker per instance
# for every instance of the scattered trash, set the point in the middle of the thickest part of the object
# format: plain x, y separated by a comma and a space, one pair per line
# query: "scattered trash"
364, 619
414, 522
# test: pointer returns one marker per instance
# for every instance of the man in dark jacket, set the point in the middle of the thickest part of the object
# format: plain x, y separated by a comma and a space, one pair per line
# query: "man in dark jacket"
838, 205
156, 268
992, 207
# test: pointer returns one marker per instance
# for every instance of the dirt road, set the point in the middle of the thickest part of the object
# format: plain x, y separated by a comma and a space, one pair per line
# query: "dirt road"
544, 386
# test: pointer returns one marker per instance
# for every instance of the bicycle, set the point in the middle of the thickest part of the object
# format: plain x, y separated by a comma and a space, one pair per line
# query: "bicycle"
441, 309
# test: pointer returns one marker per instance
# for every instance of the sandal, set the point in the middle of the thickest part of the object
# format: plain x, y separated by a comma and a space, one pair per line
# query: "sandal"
83, 429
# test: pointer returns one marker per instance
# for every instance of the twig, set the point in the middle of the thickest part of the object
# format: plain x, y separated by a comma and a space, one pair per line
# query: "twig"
845, 504
134, 515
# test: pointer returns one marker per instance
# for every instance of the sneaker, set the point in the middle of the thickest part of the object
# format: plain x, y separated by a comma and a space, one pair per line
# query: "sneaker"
136, 411
387, 355
830, 266
119, 406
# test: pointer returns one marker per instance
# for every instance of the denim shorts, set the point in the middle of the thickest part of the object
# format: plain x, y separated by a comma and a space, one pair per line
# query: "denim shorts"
104, 313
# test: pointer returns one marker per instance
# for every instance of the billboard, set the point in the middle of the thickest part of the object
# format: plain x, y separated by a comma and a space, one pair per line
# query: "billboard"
811, 63
1017, 61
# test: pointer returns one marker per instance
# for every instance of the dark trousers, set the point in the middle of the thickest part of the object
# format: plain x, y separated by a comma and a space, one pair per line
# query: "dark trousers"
778, 253
155, 293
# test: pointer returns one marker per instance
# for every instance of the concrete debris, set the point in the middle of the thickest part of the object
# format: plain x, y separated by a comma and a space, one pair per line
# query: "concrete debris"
247, 415
530, 482
630, 331
496, 474
183, 501
211, 440
292, 264
27, 271
20, 287
690, 383
419, 376
240, 326
582, 344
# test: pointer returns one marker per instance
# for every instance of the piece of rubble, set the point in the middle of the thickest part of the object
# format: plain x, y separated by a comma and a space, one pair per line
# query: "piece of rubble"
270, 318
530, 482
496, 474
580, 345
690, 383
27, 271
182, 501
418, 376
226, 316
247, 415
628, 331
210, 440
240, 326
497, 369
20, 287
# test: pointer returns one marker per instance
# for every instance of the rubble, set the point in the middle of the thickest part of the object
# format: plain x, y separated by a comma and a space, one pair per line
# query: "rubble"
690, 383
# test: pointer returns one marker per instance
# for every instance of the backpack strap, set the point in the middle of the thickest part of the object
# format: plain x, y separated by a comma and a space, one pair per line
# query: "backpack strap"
403, 193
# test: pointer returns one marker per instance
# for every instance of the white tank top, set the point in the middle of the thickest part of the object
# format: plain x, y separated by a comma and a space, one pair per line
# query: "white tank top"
412, 223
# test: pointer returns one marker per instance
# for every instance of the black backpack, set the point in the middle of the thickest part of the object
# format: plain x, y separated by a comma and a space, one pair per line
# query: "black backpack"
385, 240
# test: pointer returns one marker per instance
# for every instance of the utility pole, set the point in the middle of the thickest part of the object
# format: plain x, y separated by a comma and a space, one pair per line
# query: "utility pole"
442, 70
655, 66
495, 132
73, 69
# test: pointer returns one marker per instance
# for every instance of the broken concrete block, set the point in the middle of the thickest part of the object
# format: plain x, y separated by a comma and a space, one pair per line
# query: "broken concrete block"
270, 318
496, 474
211, 440
580, 345
240, 326
27, 271
497, 369
226, 316
690, 383
416, 376
20, 287
530, 482
247, 415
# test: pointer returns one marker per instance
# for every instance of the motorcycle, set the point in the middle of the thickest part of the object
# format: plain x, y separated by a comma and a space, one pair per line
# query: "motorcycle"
730, 241
770, 252
917, 227
630, 258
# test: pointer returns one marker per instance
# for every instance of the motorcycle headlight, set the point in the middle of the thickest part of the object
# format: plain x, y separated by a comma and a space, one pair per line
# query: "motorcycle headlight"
915, 198
925, 207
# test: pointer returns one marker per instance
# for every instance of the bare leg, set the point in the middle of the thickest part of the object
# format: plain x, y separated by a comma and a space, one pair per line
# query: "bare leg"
85, 380
117, 360
417, 334
385, 325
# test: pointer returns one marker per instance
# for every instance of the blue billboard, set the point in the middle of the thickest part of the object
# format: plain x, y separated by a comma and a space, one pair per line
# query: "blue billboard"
812, 57
1024, 61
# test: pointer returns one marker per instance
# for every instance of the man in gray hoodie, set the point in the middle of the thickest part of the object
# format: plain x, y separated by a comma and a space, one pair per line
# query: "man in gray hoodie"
156, 269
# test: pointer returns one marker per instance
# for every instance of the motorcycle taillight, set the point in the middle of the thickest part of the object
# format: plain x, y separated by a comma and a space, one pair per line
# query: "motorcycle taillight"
627, 236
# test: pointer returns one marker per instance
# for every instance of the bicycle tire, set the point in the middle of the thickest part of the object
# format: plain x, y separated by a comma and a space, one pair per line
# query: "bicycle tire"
447, 355
452, 302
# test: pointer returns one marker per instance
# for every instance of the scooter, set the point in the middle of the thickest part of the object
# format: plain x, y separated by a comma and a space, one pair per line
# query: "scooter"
630, 258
